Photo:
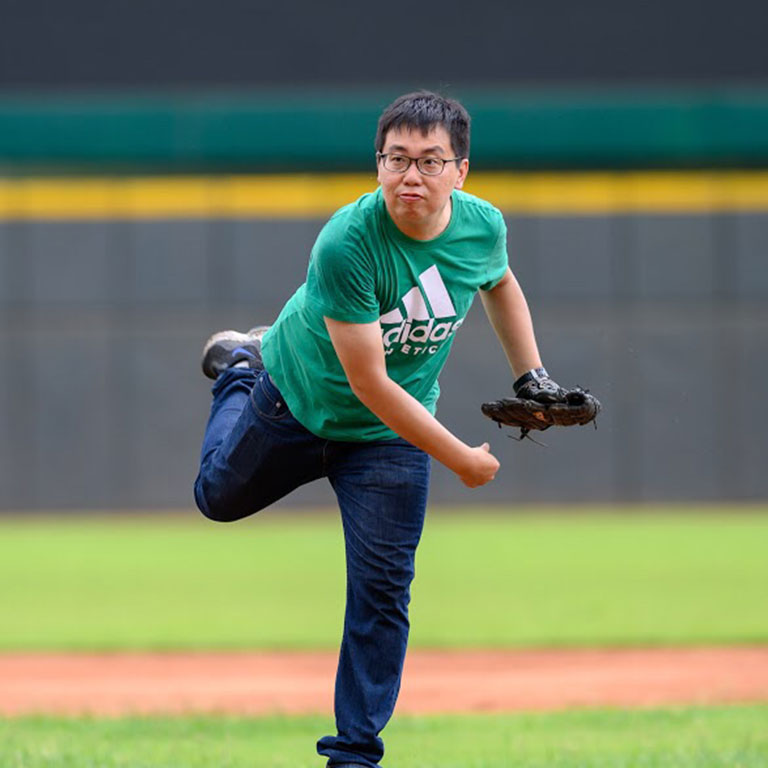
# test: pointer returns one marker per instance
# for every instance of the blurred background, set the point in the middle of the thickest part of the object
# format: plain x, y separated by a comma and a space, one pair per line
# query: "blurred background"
166, 166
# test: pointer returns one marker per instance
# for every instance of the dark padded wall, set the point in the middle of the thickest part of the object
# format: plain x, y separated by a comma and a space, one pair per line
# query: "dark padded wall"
101, 401
194, 43
102, 404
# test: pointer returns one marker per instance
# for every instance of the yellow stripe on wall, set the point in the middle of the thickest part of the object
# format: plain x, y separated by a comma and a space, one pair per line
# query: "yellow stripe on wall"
307, 196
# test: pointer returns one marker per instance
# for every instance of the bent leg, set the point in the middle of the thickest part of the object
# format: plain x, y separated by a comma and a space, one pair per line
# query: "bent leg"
382, 492
254, 452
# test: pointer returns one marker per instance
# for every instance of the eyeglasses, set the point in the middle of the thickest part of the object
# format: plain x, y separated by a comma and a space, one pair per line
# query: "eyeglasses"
428, 166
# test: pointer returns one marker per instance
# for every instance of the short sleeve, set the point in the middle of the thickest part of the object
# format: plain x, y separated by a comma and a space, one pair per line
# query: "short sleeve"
341, 282
498, 261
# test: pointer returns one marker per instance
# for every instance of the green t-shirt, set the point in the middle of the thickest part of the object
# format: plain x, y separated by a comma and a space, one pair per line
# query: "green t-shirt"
363, 268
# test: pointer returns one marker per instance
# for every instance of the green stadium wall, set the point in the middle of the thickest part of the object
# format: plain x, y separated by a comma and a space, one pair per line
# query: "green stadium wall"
295, 129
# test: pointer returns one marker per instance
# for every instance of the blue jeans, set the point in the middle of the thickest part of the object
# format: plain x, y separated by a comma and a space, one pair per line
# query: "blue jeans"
255, 452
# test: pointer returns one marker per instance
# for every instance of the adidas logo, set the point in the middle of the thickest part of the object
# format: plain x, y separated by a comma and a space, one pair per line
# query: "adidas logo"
420, 330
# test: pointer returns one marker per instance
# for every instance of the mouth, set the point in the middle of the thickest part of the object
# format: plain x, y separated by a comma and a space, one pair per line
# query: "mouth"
410, 197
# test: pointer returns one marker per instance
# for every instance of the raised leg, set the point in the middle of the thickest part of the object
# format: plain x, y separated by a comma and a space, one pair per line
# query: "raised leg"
254, 451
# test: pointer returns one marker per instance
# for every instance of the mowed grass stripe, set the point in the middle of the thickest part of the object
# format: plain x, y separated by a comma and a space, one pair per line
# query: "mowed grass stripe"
317, 195
483, 580
668, 738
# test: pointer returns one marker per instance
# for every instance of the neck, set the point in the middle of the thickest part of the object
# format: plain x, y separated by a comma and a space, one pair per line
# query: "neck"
425, 229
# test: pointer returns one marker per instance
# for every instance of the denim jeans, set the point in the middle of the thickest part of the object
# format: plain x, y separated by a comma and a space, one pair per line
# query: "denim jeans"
255, 452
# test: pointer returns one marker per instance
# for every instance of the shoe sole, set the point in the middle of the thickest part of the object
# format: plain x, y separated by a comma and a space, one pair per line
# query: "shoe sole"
225, 336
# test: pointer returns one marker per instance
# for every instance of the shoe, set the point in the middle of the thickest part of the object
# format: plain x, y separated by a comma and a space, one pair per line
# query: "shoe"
227, 348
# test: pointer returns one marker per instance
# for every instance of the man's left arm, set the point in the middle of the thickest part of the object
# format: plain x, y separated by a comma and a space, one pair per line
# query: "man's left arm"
510, 317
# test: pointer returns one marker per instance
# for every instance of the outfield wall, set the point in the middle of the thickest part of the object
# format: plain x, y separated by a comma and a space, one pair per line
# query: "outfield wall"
660, 307
303, 129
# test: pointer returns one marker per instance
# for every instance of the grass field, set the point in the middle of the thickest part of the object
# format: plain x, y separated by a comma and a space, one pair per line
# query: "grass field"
733, 737
483, 580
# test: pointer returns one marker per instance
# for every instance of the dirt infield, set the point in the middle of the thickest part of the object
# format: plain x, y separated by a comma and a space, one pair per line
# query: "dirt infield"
434, 681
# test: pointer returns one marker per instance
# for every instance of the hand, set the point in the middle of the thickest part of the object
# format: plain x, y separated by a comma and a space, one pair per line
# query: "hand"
542, 390
480, 467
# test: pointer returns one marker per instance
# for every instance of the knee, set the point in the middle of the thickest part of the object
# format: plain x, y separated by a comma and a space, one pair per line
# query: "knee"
384, 584
226, 503
381, 603
214, 507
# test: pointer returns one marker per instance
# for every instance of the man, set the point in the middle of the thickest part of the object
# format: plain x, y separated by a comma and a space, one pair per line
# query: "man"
344, 386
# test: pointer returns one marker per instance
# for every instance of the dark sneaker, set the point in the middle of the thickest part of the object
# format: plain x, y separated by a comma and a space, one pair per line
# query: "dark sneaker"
227, 348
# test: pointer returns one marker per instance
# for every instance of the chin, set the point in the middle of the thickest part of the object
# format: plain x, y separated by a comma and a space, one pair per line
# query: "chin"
417, 209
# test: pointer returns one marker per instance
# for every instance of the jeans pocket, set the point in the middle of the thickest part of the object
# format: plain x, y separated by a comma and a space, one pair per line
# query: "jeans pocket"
267, 400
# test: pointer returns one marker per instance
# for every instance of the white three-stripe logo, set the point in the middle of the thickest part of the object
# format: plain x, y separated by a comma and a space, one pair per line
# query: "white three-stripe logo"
433, 288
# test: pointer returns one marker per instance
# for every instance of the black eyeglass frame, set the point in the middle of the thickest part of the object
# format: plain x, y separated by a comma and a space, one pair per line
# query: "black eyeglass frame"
417, 160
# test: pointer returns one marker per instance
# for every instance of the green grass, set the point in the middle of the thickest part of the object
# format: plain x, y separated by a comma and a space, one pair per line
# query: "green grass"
722, 737
277, 580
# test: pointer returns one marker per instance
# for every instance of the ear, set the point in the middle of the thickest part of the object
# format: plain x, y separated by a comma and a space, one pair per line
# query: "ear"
463, 171
379, 165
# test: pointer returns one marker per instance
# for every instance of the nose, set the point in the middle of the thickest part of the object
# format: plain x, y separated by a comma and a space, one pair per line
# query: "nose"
412, 175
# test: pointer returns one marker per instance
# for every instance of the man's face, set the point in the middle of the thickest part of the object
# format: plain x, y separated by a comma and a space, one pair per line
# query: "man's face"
412, 197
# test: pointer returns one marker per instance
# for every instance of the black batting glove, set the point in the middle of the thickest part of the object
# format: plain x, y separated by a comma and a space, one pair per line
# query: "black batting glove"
537, 385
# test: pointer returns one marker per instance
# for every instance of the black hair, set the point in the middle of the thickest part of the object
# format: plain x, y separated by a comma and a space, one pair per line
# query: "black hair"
423, 111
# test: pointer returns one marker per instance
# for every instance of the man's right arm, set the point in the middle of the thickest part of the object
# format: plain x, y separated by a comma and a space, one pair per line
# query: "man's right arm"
361, 353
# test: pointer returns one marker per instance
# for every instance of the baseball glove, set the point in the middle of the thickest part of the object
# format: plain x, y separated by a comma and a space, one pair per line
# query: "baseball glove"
541, 404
